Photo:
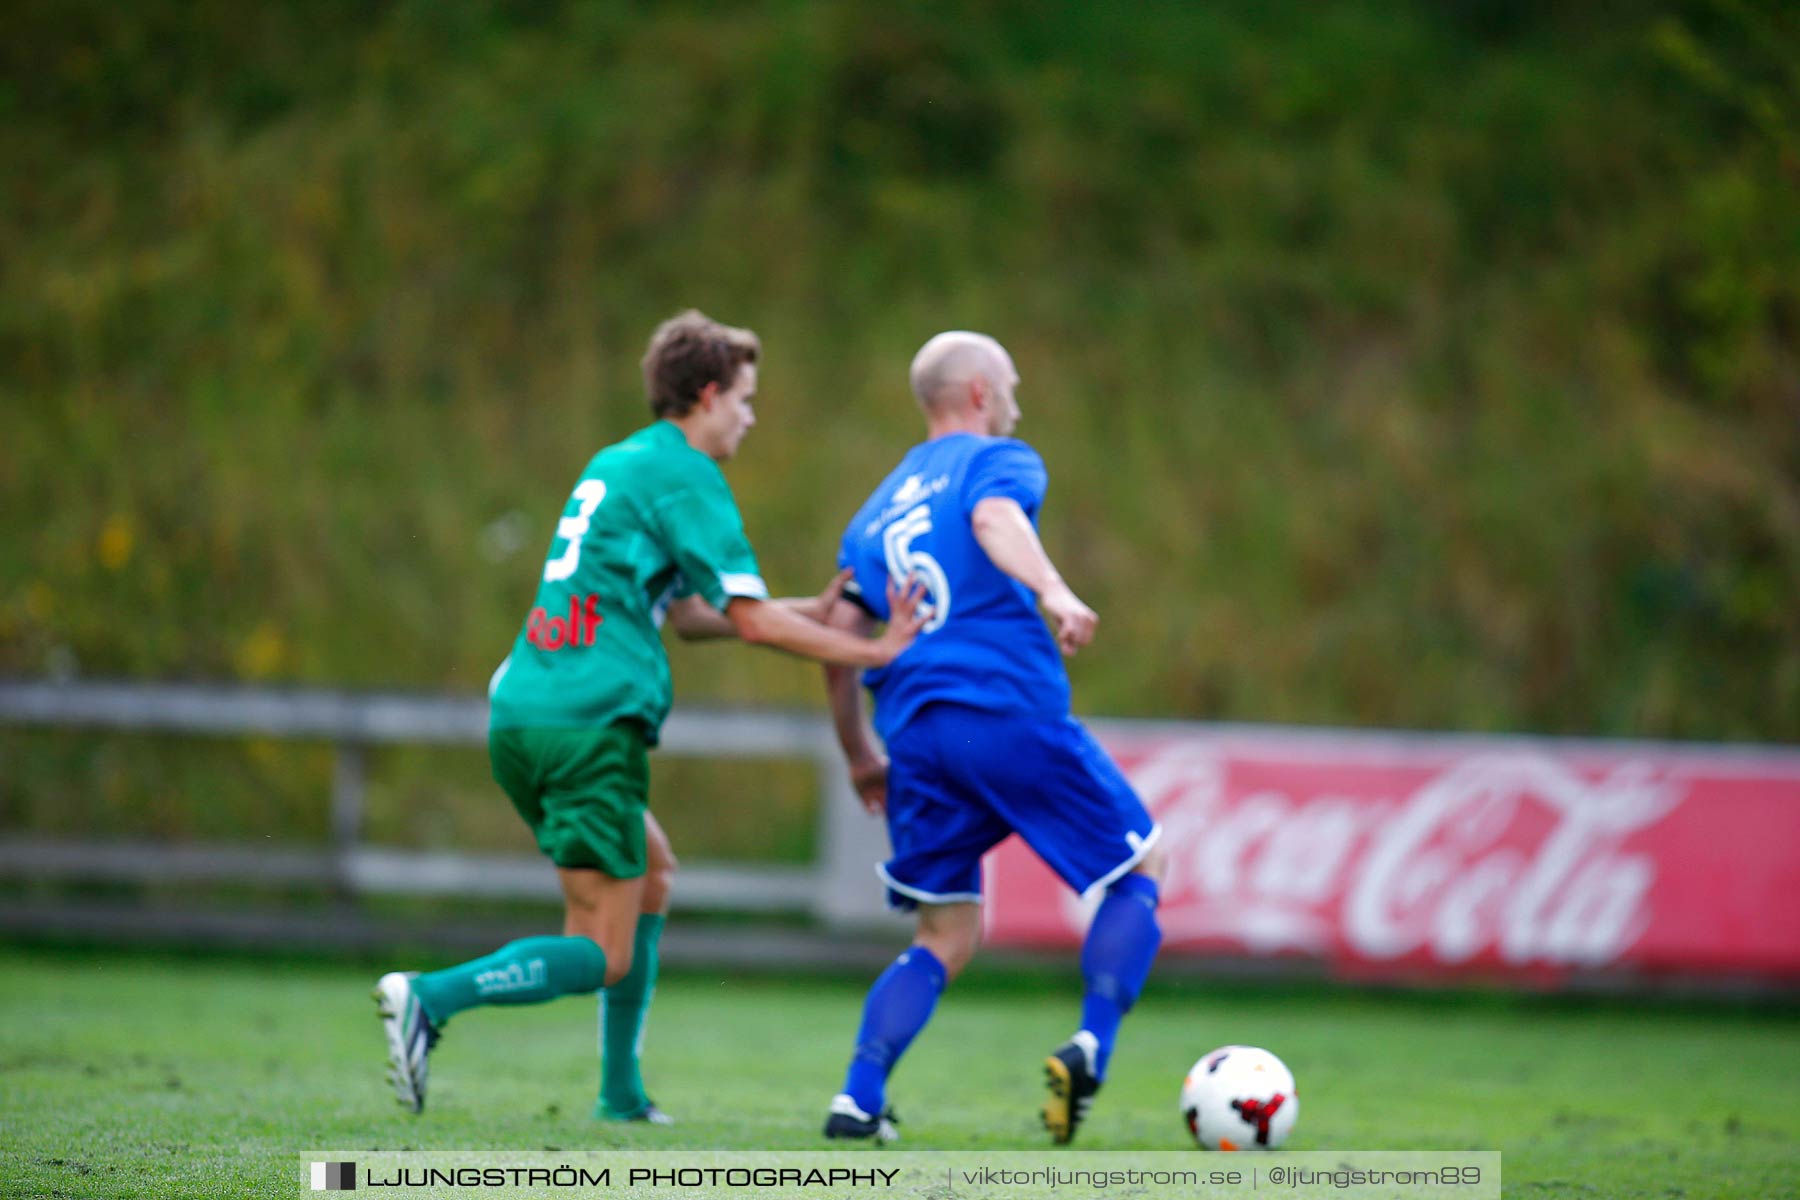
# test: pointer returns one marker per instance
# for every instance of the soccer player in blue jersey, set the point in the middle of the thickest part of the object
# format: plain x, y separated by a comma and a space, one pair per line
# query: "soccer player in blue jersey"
980, 743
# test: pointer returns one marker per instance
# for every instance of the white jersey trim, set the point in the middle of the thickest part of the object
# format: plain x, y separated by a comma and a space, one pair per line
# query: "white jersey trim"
923, 896
659, 609
751, 586
1140, 847
499, 674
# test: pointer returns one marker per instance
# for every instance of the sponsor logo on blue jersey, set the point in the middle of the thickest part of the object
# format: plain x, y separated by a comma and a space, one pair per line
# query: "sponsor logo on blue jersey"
910, 492
983, 644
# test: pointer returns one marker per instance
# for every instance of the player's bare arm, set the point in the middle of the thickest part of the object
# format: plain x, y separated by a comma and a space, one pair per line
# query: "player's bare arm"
1009, 539
843, 694
818, 608
766, 623
694, 620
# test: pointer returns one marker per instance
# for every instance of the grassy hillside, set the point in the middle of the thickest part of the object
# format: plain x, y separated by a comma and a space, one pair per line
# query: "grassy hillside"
1426, 366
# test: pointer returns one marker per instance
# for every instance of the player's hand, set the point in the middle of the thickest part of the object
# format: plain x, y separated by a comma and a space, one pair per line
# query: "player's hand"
870, 781
815, 607
907, 614
1072, 620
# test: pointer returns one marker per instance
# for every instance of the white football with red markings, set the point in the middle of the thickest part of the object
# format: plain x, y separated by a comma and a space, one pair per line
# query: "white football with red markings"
1239, 1098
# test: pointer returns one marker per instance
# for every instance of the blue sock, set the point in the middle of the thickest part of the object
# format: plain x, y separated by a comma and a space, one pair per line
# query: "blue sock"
1115, 959
898, 1006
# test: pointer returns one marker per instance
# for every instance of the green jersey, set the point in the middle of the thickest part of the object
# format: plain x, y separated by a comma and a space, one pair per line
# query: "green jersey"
650, 520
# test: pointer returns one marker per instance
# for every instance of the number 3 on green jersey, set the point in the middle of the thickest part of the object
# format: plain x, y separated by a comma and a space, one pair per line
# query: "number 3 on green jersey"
589, 492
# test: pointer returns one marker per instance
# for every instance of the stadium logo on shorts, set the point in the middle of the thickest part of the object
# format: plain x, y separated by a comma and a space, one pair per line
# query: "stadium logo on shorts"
577, 629
334, 1177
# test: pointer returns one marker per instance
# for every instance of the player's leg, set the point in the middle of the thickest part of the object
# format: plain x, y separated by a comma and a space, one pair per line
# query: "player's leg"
951, 933
415, 1008
938, 838
601, 911
593, 951
1121, 943
583, 794
1072, 805
625, 1006
897, 1008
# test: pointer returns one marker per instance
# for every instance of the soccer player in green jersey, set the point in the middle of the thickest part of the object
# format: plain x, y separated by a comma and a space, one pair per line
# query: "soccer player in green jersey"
650, 532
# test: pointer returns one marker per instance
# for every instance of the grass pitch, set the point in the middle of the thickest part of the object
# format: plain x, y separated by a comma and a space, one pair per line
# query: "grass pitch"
126, 1075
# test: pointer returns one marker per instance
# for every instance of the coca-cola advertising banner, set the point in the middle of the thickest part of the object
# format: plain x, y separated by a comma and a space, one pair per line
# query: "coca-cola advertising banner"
1399, 855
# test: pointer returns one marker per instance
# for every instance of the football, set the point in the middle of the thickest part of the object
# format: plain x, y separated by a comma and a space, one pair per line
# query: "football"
1239, 1098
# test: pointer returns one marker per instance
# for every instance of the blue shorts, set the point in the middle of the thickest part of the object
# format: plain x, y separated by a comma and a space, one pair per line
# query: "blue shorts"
960, 780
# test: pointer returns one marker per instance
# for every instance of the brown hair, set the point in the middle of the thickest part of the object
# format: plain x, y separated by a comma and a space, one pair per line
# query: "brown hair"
689, 351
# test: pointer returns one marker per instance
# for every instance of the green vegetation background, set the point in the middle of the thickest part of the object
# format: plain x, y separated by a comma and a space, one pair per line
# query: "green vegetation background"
1418, 365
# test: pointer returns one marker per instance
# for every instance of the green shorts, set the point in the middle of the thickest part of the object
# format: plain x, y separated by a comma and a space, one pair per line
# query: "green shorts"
582, 791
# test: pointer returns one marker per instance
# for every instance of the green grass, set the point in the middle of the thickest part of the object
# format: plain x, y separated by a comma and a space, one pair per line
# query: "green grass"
127, 1075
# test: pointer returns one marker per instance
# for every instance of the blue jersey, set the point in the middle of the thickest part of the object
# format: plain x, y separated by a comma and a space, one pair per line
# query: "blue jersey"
984, 646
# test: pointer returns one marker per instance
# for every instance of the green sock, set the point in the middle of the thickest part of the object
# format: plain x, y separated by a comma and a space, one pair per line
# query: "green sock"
528, 971
623, 1007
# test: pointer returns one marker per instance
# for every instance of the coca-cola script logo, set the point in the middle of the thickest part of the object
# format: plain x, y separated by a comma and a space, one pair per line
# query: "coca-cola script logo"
1504, 856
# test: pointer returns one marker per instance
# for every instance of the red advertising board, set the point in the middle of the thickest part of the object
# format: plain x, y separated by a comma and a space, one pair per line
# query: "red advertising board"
1391, 855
